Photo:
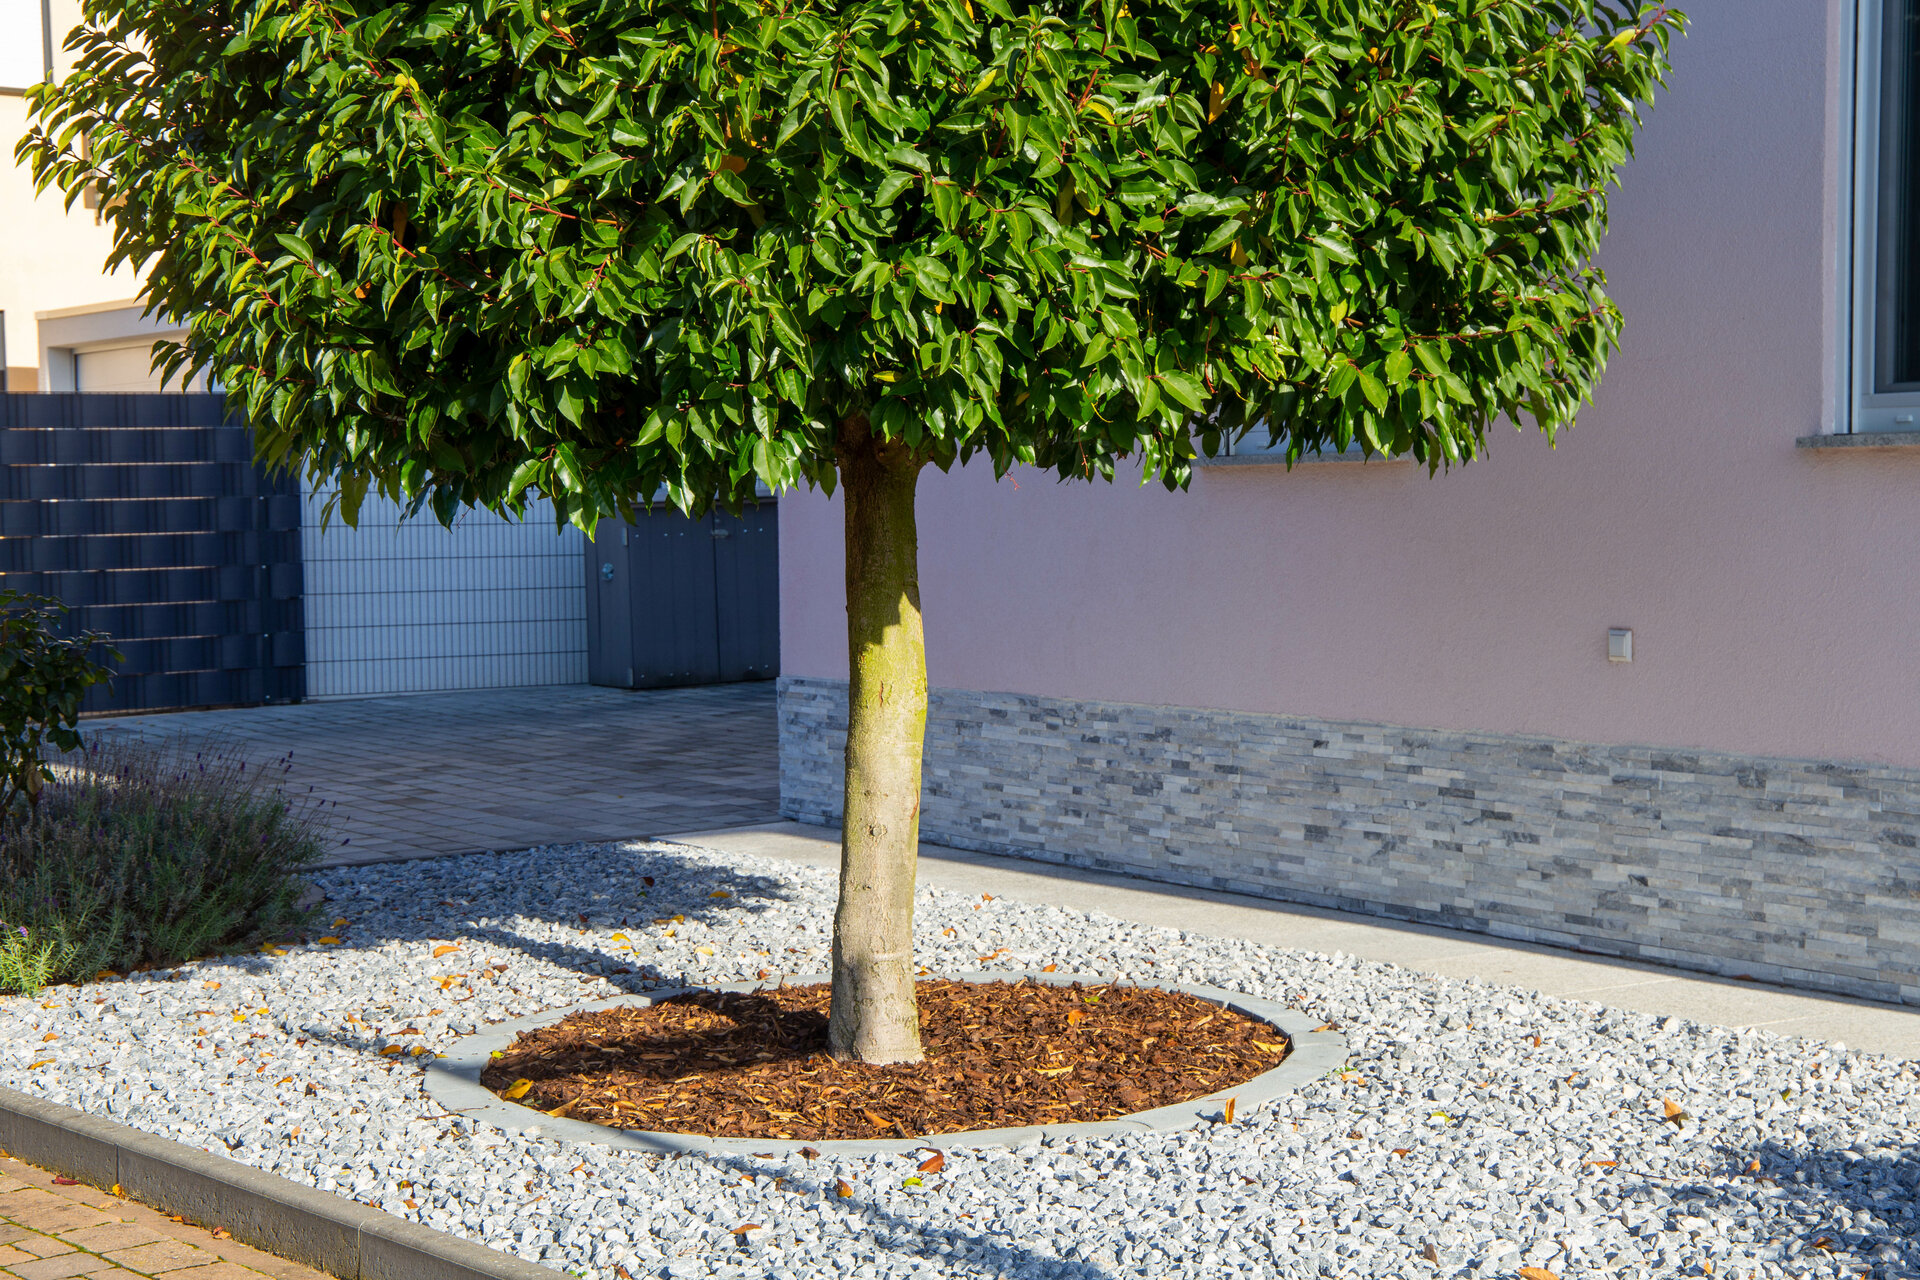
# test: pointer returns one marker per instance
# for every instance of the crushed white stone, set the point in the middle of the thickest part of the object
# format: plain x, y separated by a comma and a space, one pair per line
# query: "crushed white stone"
1479, 1129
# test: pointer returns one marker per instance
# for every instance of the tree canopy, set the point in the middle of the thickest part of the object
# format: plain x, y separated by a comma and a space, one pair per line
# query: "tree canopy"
475, 251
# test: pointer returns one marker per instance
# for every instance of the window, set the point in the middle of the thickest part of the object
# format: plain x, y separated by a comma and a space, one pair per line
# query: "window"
25, 52
1886, 345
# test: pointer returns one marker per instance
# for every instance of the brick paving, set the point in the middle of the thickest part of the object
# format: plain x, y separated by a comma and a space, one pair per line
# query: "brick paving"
503, 769
54, 1232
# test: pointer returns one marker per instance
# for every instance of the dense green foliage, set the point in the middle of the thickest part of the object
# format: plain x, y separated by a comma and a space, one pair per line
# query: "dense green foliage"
473, 250
43, 678
140, 856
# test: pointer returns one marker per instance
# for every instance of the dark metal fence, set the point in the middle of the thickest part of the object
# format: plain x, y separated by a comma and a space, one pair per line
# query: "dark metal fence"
146, 516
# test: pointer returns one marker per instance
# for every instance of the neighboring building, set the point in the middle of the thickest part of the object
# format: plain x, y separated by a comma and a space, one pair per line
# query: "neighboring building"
65, 324
1354, 685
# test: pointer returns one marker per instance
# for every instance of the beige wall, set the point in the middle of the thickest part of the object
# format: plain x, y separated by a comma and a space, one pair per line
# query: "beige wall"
50, 259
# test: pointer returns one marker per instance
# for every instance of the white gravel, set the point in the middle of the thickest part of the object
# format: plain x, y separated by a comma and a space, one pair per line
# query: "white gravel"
1481, 1128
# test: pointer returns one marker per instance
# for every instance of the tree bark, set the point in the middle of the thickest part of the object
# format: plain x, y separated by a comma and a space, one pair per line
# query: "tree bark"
874, 1016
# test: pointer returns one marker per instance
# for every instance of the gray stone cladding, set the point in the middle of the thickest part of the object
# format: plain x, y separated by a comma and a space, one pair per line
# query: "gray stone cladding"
1799, 872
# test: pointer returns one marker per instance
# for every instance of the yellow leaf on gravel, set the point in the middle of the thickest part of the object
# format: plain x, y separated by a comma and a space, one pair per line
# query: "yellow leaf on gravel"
1537, 1273
34, 1066
282, 1080
51, 1035
720, 893
341, 923
210, 986
391, 1051
842, 1190
1266, 1047
328, 942
705, 951
517, 1090
619, 937
104, 974
444, 949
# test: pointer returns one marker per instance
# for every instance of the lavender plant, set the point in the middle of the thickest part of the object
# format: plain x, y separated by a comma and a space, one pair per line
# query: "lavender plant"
139, 856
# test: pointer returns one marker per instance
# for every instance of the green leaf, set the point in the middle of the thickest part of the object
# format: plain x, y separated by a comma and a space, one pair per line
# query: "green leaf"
1184, 387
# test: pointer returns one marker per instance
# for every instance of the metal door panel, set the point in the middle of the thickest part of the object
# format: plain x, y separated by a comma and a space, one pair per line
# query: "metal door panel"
672, 609
746, 558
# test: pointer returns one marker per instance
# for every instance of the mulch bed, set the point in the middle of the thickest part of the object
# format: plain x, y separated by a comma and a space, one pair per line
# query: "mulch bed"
999, 1054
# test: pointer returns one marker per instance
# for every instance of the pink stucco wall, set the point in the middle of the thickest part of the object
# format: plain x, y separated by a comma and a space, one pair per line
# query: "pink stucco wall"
1774, 592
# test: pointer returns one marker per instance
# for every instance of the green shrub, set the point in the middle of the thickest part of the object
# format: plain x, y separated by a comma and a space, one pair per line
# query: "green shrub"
43, 677
138, 856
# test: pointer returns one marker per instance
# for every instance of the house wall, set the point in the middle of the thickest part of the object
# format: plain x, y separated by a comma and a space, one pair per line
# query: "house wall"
1772, 590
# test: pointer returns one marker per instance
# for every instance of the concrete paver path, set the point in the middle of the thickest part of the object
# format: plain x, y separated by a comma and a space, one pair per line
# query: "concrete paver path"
501, 769
54, 1232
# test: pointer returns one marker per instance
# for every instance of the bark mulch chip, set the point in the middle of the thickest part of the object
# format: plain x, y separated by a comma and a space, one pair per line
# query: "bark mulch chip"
999, 1054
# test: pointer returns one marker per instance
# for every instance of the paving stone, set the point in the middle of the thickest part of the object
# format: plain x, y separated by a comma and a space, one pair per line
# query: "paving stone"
162, 1255
110, 1236
214, 1271
62, 1266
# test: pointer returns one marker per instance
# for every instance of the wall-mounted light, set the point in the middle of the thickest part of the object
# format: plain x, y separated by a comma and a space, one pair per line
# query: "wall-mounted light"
1620, 644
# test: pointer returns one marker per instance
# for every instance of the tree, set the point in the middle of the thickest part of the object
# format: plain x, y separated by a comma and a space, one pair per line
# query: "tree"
480, 251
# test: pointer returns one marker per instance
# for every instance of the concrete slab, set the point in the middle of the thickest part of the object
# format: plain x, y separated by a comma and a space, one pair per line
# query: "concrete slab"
1860, 1024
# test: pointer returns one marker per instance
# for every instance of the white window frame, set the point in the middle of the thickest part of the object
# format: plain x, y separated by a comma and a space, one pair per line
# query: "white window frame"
1870, 408
45, 24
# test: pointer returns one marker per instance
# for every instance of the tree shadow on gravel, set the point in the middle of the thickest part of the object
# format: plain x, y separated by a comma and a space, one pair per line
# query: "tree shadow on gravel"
637, 888
978, 1255
1859, 1207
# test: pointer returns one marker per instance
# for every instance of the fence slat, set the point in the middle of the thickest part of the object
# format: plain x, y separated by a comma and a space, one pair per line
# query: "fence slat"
147, 517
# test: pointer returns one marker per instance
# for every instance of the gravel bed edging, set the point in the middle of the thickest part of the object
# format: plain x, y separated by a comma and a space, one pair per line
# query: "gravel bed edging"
299, 1223
454, 1081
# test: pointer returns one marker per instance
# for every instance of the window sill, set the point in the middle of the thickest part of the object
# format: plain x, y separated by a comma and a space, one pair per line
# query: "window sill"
1862, 440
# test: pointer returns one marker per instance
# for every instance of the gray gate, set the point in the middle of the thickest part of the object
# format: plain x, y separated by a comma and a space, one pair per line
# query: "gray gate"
674, 601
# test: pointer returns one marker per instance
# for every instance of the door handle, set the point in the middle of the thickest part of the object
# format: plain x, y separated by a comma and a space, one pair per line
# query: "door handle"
606, 571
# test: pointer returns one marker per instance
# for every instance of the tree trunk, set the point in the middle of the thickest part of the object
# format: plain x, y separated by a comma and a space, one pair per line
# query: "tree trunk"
874, 1016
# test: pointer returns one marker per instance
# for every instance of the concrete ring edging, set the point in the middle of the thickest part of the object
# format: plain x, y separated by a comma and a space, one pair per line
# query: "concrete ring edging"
287, 1219
454, 1081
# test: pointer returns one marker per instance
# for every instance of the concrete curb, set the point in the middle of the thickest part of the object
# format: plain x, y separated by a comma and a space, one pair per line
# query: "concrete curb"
299, 1223
454, 1082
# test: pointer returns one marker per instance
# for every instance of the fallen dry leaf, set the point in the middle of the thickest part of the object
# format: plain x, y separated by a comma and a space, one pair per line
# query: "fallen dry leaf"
704, 951
720, 893
444, 949
1076, 1016
844, 1191
1430, 1253
1048, 968
391, 1051
1226, 1115
340, 923
517, 1090
1601, 1164
51, 1035
328, 941
1537, 1273
811, 1153
1403, 1151
933, 1163
1676, 1114
60, 1180
745, 1227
